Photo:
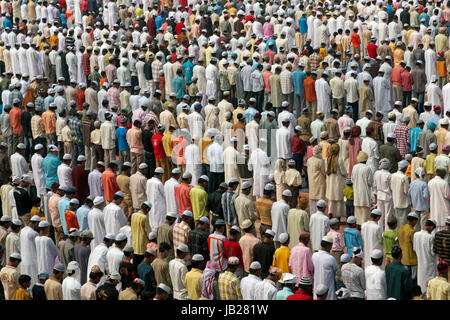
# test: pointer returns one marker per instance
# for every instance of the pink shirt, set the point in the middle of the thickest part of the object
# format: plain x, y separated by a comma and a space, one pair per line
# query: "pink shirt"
268, 30
266, 75
338, 240
300, 262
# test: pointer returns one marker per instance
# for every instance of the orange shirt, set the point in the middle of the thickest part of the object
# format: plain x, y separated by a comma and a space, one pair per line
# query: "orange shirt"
109, 182
440, 66
49, 121
15, 115
310, 89
54, 41
183, 198
71, 220
356, 41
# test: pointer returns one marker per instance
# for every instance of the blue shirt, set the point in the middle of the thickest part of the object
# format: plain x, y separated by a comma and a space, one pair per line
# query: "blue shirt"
7, 23
303, 26
179, 87
426, 17
352, 240
250, 114
414, 137
271, 40
297, 78
418, 194
62, 16
47, 101
63, 205
158, 22
82, 217
434, 118
188, 69
121, 134
50, 165
283, 294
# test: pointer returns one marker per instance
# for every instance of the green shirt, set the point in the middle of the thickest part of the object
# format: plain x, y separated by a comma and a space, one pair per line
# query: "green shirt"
242, 160
398, 281
389, 240
390, 152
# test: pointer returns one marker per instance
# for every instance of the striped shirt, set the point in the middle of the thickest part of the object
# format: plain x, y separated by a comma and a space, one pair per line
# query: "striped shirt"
441, 245
216, 242
229, 210
37, 127
229, 287
75, 130
156, 68
180, 234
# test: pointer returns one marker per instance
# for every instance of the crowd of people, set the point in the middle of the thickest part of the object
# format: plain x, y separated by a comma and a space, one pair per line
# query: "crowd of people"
224, 150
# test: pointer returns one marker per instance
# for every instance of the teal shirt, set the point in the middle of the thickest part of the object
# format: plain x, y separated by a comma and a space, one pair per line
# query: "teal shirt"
283, 294
179, 87
398, 281
50, 165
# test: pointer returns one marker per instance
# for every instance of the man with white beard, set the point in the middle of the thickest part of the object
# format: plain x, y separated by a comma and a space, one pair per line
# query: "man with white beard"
113, 214
28, 234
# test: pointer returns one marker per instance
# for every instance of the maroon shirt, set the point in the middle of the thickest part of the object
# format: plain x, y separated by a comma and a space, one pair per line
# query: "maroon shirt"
80, 182
298, 146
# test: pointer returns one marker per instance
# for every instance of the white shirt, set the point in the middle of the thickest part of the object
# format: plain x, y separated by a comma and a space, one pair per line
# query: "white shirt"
279, 215
426, 259
319, 225
248, 285
46, 251
28, 265
96, 224
376, 288
98, 257
156, 196
372, 235
95, 183
265, 290
325, 267
114, 257
38, 173
283, 144
64, 175
169, 190
19, 165
214, 154
71, 288
114, 218
177, 271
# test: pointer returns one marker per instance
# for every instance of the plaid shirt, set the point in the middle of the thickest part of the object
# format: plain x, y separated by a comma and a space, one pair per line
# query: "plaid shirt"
180, 234
75, 130
86, 64
229, 211
314, 61
229, 286
402, 136
37, 127
198, 243
87, 127
113, 96
224, 83
156, 68
286, 83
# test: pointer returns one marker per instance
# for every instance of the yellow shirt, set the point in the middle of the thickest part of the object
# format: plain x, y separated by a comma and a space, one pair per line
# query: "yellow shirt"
36, 212
235, 114
140, 228
263, 208
348, 192
22, 294
405, 239
167, 143
438, 289
192, 283
205, 142
199, 197
281, 259
429, 164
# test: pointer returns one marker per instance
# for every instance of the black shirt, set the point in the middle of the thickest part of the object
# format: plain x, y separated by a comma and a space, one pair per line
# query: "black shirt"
38, 292
107, 292
25, 121
263, 252
23, 201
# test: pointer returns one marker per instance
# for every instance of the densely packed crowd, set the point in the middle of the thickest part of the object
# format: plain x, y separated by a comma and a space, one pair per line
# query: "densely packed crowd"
224, 150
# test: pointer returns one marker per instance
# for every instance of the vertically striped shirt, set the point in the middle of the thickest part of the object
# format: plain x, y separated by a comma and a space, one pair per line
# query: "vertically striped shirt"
37, 127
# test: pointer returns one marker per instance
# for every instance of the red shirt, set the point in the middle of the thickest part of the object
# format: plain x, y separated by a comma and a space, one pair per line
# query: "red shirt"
298, 145
62, 4
183, 198
372, 50
84, 6
356, 41
233, 249
178, 27
407, 80
396, 75
300, 295
80, 98
158, 146
71, 220
310, 89
15, 115
86, 64
109, 182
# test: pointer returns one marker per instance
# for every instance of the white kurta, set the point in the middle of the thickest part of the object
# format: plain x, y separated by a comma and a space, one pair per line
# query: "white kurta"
372, 235
114, 218
265, 290
156, 196
325, 267
283, 143
279, 215
319, 225
19, 165
96, 224
230, 163
446, 96
259, 164
380, 87
439, 200
38, 174
114, 257
193, 162
376, 288
248, 285
169, 191
251, 132
28, 265
323, 93
177, 271
46, 253
426, 259
98, 257
430, 64
370, 146
64, 175
71, 288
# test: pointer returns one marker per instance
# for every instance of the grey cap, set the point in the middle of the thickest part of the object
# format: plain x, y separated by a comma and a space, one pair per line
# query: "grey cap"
59, 267
321, 289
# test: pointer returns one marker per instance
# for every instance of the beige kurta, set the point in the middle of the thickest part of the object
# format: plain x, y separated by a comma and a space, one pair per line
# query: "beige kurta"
138, 187
334, 190
366, 99
4, 193
244, 208
316, 178
344, 153
10, 281
297, 222
53, 290
411, 112
416, 162
224, 107
230, 163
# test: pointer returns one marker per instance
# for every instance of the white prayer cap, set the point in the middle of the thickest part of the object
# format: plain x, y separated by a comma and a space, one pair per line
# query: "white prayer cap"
413, 215
171, 215
187, 175
327, 239
289, 278
255, 265
246, 147
15, 255
342, 294
159, 170
121, 237
287, 193
397, 103
204, 220
321, 203
176, 171
236, 228
444, 121
270, 233
53, 148
420, 172
98, 200
38, 147
376, 254
74, 201
402, 164
5, 219
114, 276
21, 146
183, 248
234, 139
120, 194
204, 177
334, 221
246, 185
321, 289
35, 218
234, 261
26, 178
164, 287
345, 258
433, 146
72, 265
16, 222
285, 104
357, 252
187, 213
127, 164
59, 267
143, 166
81, 158
391, 135
376, 212
148, 204
269, 187
197, 257
351, 220
67, 156
283, 238
87, 234
233, 180
110, 236
298, 128
152, 235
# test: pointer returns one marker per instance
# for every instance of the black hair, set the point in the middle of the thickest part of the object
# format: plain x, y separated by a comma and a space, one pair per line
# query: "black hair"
23, 278
164, 246
233, 232
160, 291
117, 197
324, 244
196, 264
